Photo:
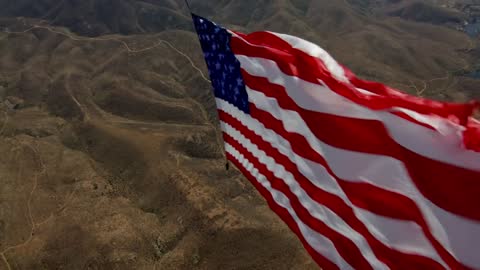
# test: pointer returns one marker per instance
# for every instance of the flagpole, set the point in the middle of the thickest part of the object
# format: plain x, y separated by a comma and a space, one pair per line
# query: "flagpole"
188, 6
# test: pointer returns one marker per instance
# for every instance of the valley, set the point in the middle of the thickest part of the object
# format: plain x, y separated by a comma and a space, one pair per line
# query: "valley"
111, 154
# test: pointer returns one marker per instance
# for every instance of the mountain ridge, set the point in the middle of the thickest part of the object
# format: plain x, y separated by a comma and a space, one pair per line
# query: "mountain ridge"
110, 137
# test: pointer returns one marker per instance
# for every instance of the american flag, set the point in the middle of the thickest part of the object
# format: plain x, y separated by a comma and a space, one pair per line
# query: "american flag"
366, 176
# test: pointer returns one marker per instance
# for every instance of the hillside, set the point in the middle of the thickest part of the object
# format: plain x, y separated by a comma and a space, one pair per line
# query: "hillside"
111, 153
97, 17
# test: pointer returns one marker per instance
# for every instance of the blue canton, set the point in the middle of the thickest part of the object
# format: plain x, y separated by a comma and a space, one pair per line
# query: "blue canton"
223, 67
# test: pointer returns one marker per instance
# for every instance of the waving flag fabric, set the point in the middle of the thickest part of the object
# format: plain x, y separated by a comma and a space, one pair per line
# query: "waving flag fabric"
367, 177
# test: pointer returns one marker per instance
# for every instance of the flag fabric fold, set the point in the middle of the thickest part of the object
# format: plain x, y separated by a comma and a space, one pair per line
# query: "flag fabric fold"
366, 176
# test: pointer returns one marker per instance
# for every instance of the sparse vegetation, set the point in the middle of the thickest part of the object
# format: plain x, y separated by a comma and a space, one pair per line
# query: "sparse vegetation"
126, 170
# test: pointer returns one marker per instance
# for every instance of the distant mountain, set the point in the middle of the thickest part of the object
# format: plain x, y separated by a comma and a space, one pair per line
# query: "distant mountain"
462, 15
97, 17
111, 155
422, 11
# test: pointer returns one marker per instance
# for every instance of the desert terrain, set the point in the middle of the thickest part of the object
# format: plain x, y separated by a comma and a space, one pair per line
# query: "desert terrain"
110, 154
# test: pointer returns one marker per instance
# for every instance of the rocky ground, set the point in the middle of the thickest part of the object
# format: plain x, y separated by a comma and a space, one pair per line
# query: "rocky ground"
110, 153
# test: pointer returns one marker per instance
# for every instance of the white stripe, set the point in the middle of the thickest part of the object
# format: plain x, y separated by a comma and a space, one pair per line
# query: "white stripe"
315, 51
405, 236
441, 145
318, 242
366, 92
393, 233
331, 64
383, 172
318, 211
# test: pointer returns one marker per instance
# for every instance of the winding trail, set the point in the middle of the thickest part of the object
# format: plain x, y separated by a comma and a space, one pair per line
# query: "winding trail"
5, 261
188, 58
202, 109
130, 50
34, 225
123, 43
68, 200
29, 206
448, 73
76, 38
127, 48
87, 118
420, 92
156, 124
72, 96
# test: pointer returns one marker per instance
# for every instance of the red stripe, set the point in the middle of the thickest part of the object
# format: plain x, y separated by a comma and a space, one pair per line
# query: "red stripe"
471, 137
460, 185
302, 148
345, 247
388, 204
323, 262
362, 195
411, 119
297, 63
381, 89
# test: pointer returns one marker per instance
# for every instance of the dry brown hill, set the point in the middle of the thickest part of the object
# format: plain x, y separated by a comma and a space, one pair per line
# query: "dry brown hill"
110, 154
111, 161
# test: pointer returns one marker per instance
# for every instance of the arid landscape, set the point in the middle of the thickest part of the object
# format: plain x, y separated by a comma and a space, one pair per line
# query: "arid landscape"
110, 153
